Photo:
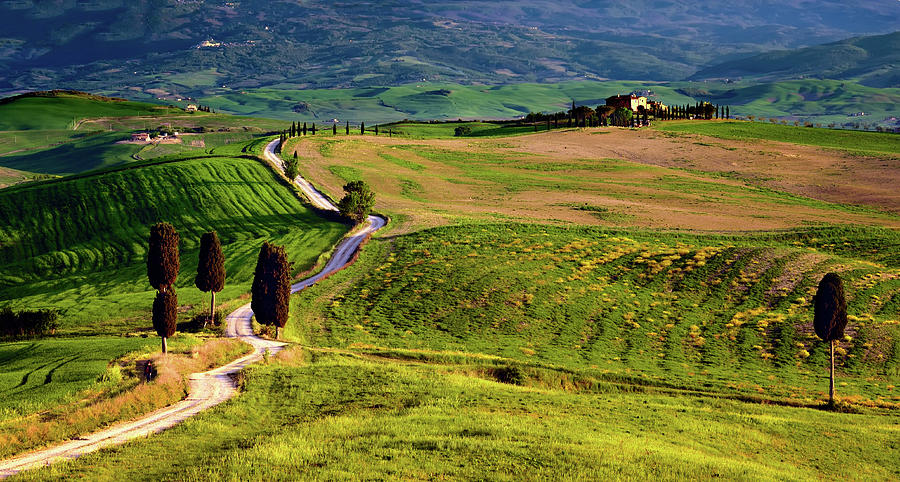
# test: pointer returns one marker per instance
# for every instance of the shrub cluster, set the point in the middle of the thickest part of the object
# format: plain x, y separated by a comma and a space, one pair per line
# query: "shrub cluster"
28, 323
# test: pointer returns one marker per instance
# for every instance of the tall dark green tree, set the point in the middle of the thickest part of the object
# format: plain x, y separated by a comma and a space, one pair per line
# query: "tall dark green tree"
165, 315
357, 202
334, 129
211, 269
304, 128
163, 263
313, 129
830, 317
271, 288
348, 128
362, 128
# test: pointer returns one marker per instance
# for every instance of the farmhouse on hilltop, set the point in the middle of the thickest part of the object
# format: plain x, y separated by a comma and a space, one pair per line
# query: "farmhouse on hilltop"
630, 101
634, 103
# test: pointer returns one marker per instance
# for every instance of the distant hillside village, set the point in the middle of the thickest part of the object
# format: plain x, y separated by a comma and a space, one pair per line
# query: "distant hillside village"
630, 110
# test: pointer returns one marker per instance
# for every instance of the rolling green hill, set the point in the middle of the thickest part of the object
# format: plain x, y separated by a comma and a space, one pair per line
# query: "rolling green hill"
63, 110
683, 310
79, 244
873, 61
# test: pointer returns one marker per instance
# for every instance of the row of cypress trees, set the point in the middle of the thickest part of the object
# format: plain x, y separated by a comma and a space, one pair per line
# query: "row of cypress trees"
296, 129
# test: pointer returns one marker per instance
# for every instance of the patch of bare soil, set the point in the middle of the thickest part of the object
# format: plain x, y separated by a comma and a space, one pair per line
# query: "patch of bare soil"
804, 170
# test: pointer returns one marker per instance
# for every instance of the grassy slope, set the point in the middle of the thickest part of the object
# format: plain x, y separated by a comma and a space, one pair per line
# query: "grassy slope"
722, 312
79, 244
855, 142
59, 111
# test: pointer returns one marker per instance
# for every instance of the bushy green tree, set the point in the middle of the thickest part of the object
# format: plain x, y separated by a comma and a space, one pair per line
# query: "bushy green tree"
357, 202
461, 131
211, 269
292, 167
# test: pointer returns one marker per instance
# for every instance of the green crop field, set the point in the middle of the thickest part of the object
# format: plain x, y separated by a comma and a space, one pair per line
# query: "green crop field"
855, 142
79, 244
415, 130
36, 374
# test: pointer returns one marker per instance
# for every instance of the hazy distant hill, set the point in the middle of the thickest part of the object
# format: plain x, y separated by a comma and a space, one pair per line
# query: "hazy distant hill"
874, 60
149, 47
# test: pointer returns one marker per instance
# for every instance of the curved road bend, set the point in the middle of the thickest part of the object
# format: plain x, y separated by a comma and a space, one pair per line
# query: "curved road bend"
207, 389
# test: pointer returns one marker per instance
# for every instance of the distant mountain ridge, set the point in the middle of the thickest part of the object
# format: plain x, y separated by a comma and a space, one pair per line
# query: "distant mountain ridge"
172, 48
873, 60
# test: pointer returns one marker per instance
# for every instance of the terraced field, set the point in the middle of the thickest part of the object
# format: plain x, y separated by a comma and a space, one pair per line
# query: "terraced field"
79, 244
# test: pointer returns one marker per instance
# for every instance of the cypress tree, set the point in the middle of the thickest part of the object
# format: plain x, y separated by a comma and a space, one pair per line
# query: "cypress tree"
211, 268
165, 315
271, 287
162, 271
362, 128
163, 262
830, 317
334, 129
313, 128
348, 128
376, 129
727, 112
304, 128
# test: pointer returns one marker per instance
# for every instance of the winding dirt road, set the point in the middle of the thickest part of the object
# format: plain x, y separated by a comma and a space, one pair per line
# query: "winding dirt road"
207, 389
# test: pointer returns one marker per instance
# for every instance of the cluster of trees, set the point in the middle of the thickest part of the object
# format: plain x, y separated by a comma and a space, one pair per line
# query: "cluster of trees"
205, 108
605, 115
270, 291
27, 323
163, 264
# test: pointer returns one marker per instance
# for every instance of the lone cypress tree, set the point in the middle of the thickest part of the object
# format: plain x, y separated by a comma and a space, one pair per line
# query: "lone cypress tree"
376, 129
271, 288
362, 128
210, 269
348, 128
334, 129
830, 318
165, 315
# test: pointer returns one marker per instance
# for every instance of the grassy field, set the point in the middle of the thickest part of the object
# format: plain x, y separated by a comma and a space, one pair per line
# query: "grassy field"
731, 314
416, 130
559, 177
336, 416
69, 134
37, 374
864, 143
52, 256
